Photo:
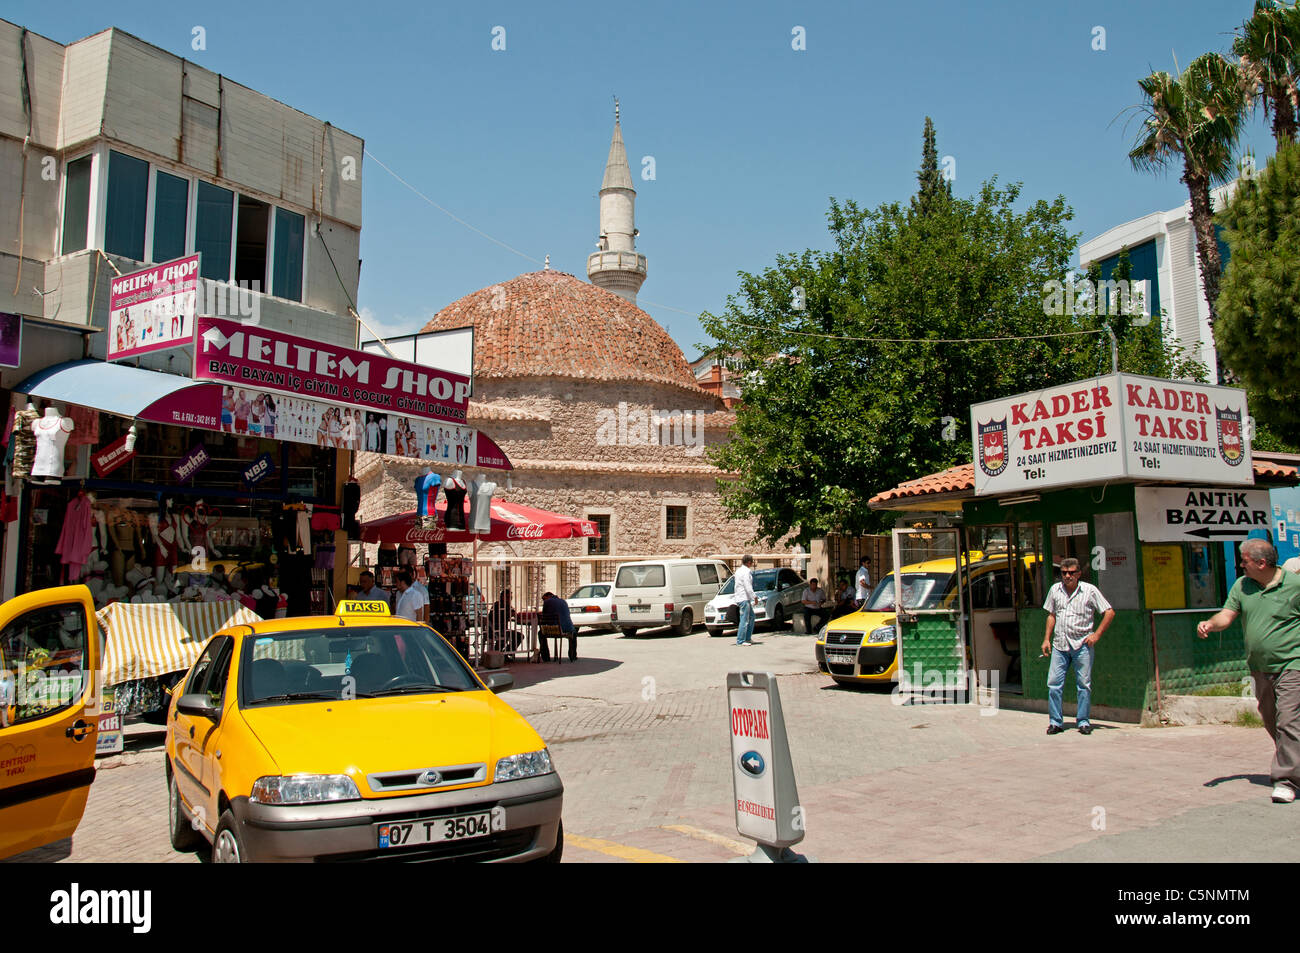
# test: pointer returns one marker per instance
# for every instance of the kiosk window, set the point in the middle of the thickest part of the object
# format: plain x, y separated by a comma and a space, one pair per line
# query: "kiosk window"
1032, 589
1116, 556
1201, 591
1162, 575
1071, 539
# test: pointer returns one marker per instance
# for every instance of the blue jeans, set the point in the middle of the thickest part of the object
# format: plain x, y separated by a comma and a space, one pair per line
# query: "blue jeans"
745, 632
1061, 661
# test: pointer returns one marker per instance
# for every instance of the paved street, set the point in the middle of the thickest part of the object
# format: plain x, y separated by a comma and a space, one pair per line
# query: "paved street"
638, 731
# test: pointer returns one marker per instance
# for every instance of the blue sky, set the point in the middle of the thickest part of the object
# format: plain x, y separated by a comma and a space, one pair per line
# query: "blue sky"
749, 137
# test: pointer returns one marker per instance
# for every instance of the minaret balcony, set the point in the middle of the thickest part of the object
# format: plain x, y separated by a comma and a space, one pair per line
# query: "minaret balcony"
605, 261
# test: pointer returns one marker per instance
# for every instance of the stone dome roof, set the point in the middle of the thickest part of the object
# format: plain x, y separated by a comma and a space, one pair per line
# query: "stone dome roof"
551, 324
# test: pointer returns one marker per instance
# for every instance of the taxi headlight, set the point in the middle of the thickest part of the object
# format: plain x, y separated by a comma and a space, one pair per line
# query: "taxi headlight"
304, 789
821, 633
527, 765
885, 633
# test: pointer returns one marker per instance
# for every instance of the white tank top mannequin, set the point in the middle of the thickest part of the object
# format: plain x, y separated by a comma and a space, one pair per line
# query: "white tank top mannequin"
51, 432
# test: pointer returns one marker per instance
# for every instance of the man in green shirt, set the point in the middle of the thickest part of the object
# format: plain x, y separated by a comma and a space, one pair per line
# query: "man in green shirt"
1268, 599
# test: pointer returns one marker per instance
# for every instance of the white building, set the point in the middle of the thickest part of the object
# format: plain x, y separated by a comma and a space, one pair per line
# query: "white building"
1162, 249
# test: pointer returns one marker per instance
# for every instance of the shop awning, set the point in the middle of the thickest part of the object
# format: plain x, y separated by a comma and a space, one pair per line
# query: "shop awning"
145, 640
510, 521
113, 388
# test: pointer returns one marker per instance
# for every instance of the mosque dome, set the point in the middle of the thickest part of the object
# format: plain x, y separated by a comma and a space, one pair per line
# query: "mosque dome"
552, 324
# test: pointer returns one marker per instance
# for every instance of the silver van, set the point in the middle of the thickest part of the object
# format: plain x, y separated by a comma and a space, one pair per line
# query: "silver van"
665, 592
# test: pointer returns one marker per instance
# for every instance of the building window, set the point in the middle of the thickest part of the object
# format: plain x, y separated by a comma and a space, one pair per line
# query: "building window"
76, 204
290, 230
599, 547
171, 200
128, 198
676, 524
212, 231
253, 227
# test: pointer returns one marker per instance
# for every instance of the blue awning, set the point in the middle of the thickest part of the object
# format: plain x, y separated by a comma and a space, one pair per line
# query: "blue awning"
112, 388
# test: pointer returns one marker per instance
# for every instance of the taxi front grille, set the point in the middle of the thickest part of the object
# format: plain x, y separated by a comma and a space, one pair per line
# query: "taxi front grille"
414, 780
844, 638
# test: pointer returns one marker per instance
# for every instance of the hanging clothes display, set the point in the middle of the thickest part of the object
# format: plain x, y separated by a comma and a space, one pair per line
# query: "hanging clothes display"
77, 538
453, 487
51, 433
24, 441
480, 505
426, 496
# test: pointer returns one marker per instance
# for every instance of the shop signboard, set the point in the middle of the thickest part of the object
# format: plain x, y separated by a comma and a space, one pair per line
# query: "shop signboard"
1185, 514
254, 357
108, 459
11, 339
1117, 427
153, 309
189, 465
258, 470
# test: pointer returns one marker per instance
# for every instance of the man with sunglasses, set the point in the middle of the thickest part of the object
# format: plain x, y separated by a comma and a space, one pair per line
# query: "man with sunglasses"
1268, 600
1072, 608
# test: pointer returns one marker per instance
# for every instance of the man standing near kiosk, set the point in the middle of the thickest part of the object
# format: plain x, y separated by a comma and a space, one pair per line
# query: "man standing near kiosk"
1268, 599
1072, 607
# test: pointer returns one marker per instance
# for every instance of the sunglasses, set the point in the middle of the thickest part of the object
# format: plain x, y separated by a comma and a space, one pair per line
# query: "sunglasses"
1069, 572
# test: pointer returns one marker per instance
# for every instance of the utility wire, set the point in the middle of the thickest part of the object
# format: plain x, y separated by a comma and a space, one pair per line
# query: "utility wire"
868, 340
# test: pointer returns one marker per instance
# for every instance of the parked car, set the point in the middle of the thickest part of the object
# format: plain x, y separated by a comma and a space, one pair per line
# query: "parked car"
354, 737
592, 605
780, 596
665, 592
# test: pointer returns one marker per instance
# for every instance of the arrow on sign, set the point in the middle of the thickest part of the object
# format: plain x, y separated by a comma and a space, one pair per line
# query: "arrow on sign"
1206, 533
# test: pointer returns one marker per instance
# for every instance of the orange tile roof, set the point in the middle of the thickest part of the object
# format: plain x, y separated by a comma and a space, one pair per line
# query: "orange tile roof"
961, 480
551, 324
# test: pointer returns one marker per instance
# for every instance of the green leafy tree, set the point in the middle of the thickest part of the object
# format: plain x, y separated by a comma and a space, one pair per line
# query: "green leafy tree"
1259, 316
839, 402
1194, 120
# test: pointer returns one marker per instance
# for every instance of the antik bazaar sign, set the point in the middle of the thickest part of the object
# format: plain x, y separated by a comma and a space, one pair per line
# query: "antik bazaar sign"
1182, 514
1117, 427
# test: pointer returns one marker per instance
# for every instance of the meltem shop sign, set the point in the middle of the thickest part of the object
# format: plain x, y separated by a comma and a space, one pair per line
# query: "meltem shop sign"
1121, 426
257, 357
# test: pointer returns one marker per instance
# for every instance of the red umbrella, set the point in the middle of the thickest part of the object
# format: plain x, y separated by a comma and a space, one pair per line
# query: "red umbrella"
510, 521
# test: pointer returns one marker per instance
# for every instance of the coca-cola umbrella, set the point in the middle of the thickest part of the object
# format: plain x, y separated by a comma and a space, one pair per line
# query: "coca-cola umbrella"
510, 521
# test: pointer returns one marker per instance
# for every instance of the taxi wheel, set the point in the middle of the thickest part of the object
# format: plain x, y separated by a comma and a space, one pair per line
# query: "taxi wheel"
184, 836
227, 848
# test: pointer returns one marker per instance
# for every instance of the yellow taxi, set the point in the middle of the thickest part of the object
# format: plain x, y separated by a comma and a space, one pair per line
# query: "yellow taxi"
862, 647
49, 651
358, 736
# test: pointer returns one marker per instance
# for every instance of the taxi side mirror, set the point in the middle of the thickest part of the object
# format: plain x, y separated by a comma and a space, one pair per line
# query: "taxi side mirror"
498, 682
199, 705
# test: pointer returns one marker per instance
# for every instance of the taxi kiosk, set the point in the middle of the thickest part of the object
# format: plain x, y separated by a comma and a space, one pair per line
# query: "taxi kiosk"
1151, 484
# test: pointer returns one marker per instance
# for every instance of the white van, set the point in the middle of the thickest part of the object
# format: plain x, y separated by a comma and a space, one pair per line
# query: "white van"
660, 592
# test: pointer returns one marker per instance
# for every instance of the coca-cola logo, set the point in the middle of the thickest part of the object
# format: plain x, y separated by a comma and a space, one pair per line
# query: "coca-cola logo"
530, 531
418, 535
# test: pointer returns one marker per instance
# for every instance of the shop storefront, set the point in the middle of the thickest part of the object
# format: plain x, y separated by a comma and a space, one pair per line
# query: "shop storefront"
1150, 484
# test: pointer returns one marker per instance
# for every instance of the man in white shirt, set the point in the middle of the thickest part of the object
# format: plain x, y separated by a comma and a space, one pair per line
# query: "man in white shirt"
409, 603
814, 598
862, 582
1072, 607
423, 591
745, 599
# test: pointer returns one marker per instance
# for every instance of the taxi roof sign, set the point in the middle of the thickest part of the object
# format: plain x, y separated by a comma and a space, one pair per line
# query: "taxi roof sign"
349, 607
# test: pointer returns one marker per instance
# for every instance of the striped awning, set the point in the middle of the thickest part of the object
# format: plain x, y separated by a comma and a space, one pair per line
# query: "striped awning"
145, 640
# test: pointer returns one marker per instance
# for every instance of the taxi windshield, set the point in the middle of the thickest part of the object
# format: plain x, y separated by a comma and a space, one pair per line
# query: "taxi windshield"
333, 663
921, 590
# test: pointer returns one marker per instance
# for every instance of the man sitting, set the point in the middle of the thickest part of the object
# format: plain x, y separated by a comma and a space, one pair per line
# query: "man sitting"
814, 601
555, 611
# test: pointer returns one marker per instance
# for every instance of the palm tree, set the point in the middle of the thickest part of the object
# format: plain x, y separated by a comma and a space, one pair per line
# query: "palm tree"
1194, 117
1268, 46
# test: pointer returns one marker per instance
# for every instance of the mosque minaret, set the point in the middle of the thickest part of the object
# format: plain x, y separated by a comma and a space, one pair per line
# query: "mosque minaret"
617, 266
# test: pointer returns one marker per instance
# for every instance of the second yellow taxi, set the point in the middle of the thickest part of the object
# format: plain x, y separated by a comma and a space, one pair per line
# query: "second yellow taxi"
358, 736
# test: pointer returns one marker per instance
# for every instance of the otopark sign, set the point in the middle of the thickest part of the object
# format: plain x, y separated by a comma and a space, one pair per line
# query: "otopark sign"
766, 799
1116, 427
